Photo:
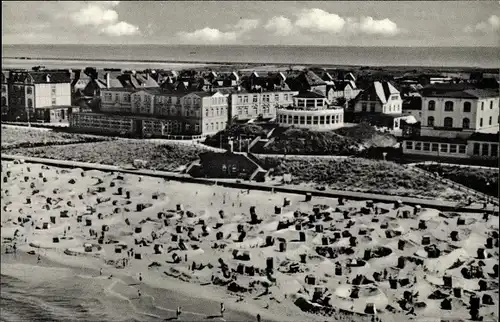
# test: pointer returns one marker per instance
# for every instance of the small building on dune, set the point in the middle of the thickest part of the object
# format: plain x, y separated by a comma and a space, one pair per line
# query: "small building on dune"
229, 165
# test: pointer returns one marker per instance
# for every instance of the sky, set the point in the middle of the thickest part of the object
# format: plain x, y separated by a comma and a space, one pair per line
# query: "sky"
319, 23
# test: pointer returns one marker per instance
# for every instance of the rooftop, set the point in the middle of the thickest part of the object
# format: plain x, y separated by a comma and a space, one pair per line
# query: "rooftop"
484, 137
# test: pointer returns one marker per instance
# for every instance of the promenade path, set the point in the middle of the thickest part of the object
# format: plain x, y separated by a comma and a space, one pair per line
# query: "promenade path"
231, 183
452, 165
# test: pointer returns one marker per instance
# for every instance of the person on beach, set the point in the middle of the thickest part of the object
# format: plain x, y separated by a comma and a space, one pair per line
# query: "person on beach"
100, 272
140, 277
222, 309
139, 293
258, 317
38, 259
178, 313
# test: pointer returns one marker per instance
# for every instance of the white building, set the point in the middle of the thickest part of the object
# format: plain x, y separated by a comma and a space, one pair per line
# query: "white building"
311, 111
380, 98
459, 113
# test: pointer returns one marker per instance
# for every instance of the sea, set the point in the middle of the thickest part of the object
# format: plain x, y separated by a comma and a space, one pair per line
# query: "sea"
151, 56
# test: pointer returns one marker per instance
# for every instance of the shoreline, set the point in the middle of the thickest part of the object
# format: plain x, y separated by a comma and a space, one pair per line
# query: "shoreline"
231, 63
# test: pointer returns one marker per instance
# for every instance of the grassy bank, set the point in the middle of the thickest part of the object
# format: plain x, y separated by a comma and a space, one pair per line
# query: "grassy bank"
19, 137
166, 157
483, 180
362, 175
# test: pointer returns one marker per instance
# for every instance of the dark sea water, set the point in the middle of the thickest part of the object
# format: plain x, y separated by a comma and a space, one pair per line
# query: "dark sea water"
65, 300
486, 57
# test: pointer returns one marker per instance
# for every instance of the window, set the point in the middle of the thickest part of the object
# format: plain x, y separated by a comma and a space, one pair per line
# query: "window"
302, 120
482, 106
108, 97
240, 99
4, 101
490, 120
126, 98
461, 149
409, 145
363, 107
255, 97
453, 148
432, 105
485, 151
295, 119
465, 123
245, 99
467, 107
53, 101
372, 107
286, 97
62, 114
308, 119
29, 90
494, 150
448, 122
53, 87
476, 149
491, 105
434, 147
418, 146
448, 106
430, 121
30, 103
328, 119
315, 120
427, 146
322, 119
444, 148
481, 122
276, 97
4, 88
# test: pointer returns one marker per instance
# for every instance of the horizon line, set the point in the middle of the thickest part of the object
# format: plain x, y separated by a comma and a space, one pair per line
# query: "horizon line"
247, 45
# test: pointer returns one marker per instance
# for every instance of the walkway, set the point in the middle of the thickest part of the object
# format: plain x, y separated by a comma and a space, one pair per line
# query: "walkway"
231, 183
452, 165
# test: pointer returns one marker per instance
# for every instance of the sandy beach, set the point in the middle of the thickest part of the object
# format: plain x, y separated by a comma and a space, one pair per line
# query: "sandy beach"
285, 257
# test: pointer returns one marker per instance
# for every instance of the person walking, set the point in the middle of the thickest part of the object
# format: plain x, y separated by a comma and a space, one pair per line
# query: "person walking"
140, 277
222, 309
100, 272
179, 311
258, 317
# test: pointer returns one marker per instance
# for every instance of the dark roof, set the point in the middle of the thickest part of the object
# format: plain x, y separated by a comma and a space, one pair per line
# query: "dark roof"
484, 137
37, 77
312, 79
309, 94
461, 90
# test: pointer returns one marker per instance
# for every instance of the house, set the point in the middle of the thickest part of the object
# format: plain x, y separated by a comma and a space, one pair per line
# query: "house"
380, 98
458, 121
54, 114
306, 80
458, 110
246, 105
30, 90
342, 89
156, 112
312, 111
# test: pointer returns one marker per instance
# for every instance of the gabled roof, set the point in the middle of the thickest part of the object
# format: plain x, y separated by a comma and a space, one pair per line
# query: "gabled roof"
474, 93
311, 78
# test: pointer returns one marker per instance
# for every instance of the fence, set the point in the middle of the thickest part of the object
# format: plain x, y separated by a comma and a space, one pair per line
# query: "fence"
457, 185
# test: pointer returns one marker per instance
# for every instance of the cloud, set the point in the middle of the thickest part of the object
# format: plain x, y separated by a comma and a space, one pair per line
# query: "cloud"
207, 35
492, 24
94, 15
318, 20
216, 36
280, 25
121, 28
100, 14
370, 26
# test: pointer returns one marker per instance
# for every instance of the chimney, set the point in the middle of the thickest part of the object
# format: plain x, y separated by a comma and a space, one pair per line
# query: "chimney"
108, 80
